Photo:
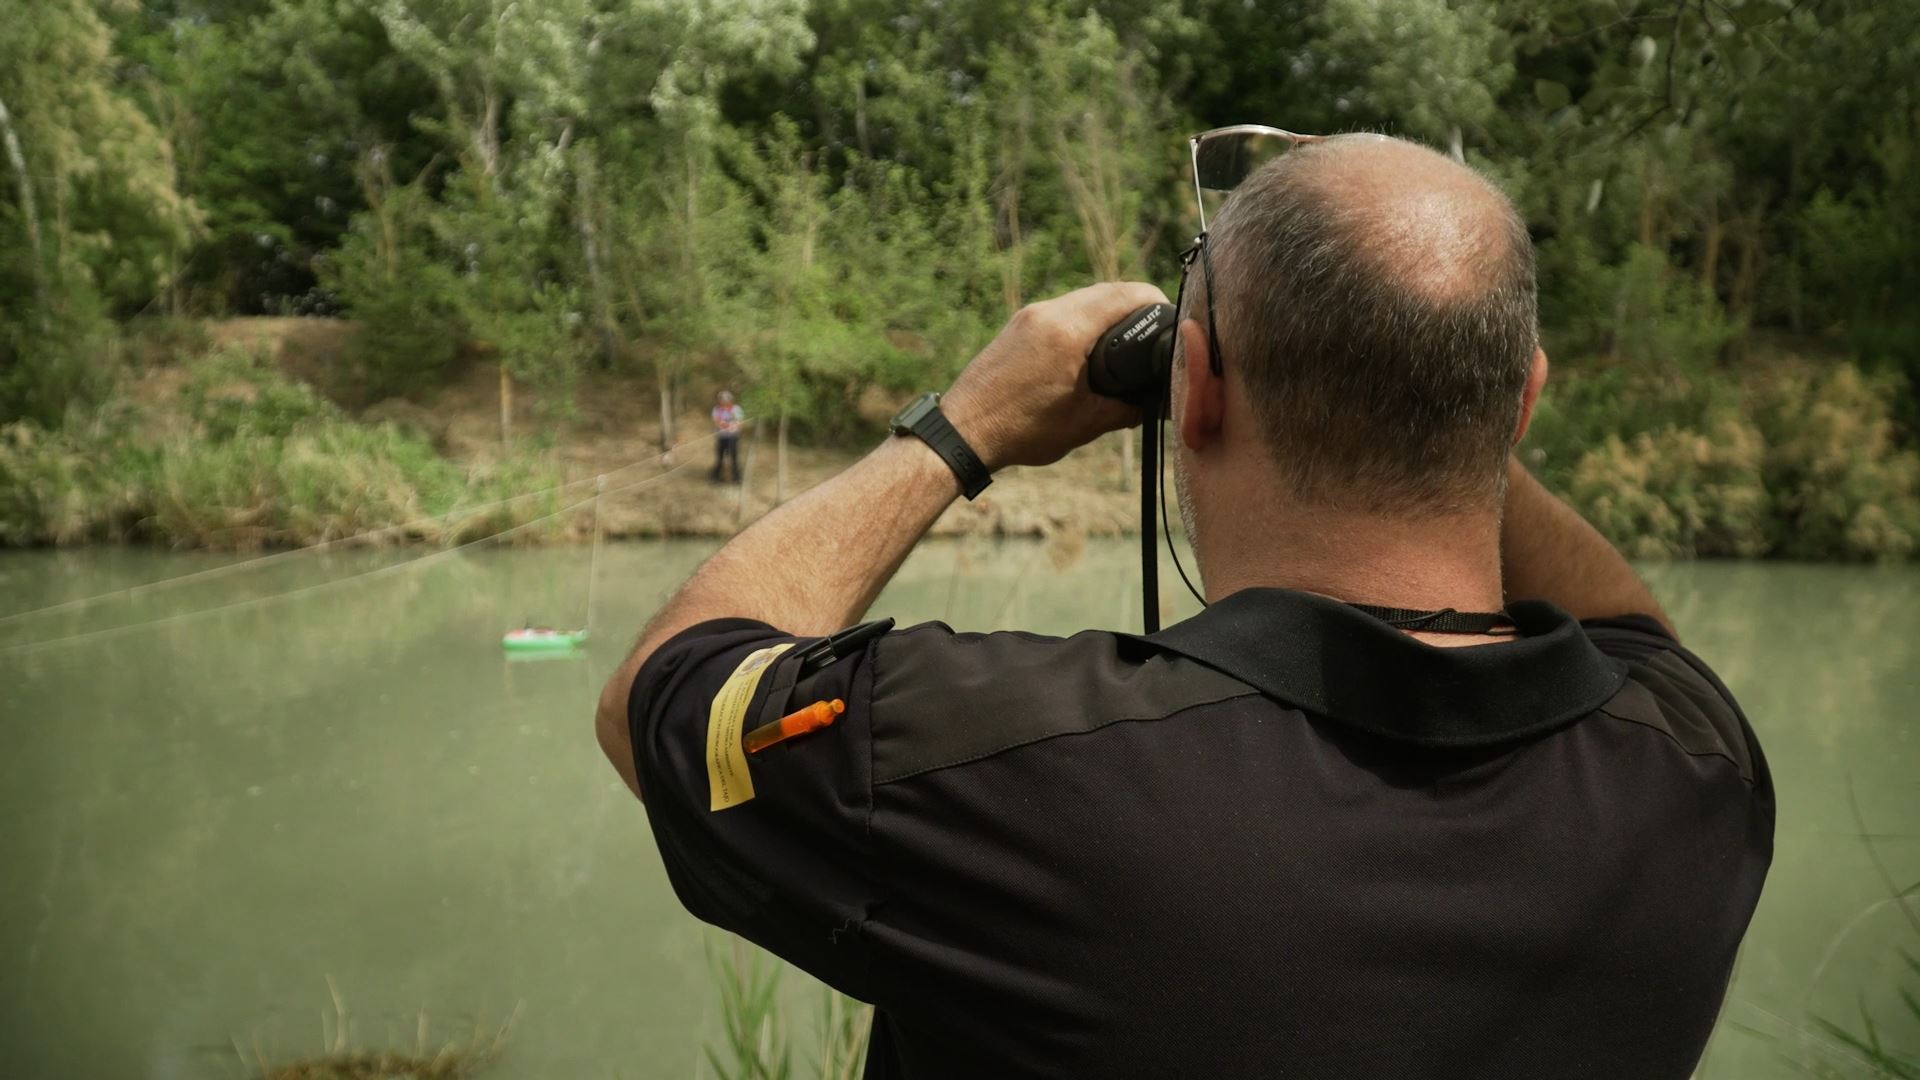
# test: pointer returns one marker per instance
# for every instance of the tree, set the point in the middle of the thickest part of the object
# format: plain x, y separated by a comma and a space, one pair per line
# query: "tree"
652, 195
1091, 108
94, 212
789, 330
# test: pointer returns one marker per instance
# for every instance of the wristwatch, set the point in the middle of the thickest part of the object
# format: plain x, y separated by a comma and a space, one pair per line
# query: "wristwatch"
923, 417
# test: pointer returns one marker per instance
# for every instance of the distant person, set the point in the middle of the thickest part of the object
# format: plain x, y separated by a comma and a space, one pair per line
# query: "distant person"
1431, 789
727, 418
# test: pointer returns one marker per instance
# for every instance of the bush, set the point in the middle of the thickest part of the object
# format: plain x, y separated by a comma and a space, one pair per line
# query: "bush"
1841, 487
391, 276
1790, 461
301, 475
1677, 492
236, 392
158, 340
1640, 311
1579, 409
1665, 318
331, 480
55, 359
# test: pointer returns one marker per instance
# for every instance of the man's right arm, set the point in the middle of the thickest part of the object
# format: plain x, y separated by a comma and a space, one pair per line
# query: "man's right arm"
1549, 552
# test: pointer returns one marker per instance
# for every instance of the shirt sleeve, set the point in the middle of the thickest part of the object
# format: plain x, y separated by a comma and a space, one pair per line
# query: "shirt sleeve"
1696, 702
790, 868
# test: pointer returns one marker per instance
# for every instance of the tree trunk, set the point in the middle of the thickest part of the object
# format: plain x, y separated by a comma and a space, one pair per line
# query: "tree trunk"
663, 389
780, 462
1013, 152
1710, 260
28, 214
1746, 274
1010, 290
486, 137
590, 252
1646, 205
506, 405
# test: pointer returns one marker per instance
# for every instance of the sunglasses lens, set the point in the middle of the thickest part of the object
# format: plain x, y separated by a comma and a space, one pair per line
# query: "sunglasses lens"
1221, 161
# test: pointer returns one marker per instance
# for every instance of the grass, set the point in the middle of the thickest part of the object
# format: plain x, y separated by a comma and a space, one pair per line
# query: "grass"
454, 1059
754, 1041
1865, 1041
1844, 1051
246, 459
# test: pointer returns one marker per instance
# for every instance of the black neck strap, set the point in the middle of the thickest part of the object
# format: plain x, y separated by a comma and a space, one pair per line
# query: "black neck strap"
1444, 621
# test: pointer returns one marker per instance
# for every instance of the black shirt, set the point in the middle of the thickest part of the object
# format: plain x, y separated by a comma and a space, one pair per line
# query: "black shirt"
1280, 839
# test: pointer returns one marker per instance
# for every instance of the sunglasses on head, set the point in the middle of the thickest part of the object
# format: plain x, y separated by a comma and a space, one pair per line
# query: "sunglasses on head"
1133, 360
1222, 159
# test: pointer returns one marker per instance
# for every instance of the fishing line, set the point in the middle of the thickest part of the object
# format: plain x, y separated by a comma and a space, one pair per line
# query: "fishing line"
214, 572
114, 631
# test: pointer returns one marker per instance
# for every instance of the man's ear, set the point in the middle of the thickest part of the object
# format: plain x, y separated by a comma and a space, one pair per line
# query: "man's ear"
1530, 394
1204, 398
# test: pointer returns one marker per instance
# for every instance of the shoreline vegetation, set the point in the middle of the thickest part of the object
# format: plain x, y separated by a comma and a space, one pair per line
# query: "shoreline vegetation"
229, 436
347, 1057
444, 254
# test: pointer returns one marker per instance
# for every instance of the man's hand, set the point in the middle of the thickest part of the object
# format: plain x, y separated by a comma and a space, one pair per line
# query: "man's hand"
1024, 400
1549, 552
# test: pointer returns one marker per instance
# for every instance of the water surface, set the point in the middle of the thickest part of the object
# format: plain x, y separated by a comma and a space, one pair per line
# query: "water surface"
209, 817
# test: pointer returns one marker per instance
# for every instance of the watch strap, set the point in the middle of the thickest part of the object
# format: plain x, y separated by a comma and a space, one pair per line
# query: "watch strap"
934, 430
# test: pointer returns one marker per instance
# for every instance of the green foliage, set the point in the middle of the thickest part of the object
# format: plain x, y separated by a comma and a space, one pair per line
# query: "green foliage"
92, 209
753, 1039
814, 199
505, 295
1426, 68
59, 358
1862, 262
1658, 317
158, 340
846, 1027
754, 1042
234, 394
1793, 461
1840, 484
1677, 492
1580, 409
266, 463
390, 273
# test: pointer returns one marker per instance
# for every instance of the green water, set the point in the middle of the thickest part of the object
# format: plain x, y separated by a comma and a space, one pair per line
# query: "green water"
208, 819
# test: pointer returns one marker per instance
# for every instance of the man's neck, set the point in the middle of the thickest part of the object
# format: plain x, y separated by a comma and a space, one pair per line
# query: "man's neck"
1425, 563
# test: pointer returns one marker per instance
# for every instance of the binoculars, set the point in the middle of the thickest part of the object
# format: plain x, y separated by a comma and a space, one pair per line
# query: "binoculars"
1131, 360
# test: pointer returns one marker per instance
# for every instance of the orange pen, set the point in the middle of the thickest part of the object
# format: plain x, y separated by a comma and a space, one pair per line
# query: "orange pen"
812, 718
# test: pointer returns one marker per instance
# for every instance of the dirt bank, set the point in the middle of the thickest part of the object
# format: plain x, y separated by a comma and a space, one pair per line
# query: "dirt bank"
614, 423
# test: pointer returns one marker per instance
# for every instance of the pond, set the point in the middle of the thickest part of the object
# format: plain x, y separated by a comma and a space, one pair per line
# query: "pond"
335, 783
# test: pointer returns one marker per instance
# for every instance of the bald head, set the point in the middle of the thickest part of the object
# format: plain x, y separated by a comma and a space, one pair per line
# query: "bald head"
1377, 300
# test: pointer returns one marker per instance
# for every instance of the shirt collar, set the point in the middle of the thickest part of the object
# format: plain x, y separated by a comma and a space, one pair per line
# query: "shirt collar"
1325, 658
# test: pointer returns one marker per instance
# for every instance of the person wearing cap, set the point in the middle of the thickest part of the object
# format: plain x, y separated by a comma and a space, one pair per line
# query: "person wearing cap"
1430, 789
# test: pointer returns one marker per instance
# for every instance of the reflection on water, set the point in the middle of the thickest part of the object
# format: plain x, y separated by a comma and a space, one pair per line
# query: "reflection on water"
207, 818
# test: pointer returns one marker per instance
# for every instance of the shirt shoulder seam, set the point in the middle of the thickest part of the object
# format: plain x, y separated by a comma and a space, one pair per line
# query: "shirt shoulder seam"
1675, 739
1046, 735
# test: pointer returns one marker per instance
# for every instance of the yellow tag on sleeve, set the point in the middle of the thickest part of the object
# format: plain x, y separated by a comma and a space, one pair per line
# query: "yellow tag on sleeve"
727, 778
